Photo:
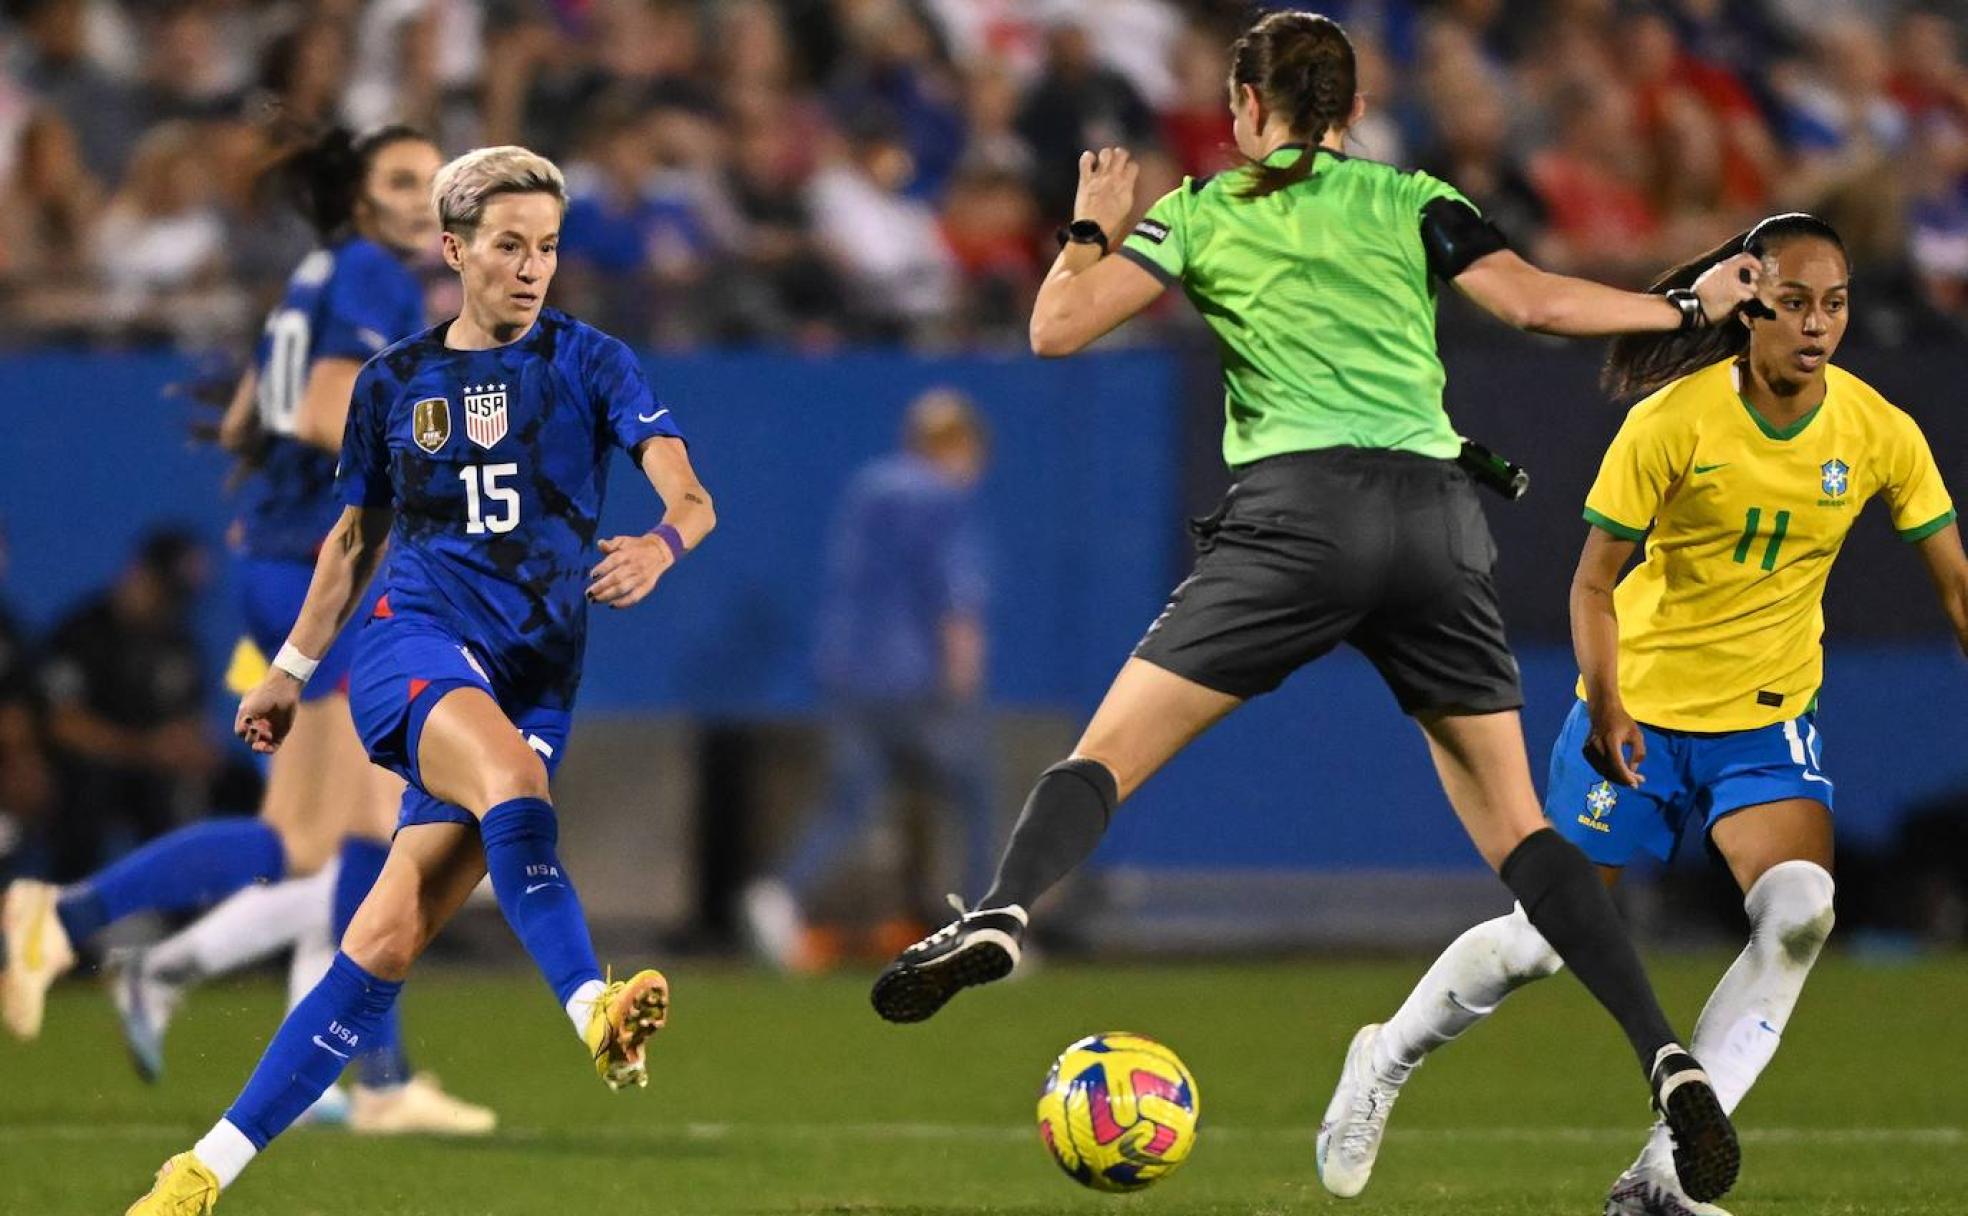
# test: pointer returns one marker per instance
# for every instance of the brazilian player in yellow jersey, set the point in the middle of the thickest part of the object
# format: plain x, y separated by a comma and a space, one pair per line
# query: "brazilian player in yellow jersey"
1719, 627
1350, 520
1742, 472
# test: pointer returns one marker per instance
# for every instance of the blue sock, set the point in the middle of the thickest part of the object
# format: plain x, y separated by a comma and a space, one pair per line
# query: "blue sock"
331, 1025
189, 868
382, 1063
535, 893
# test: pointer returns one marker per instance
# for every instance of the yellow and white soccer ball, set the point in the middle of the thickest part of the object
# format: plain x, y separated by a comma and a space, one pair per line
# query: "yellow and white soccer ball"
1118, 1111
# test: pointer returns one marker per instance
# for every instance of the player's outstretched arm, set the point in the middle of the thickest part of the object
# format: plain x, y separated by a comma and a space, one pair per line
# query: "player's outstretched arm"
1948, 567
631, 565
1519, 294
1595, 641
341, 575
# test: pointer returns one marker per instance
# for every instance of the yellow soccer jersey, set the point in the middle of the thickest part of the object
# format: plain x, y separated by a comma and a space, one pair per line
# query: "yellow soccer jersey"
1720, 627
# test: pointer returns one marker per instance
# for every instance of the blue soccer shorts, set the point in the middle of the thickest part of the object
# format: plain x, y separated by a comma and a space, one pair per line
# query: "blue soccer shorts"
1688, 777
402, 669
271, 592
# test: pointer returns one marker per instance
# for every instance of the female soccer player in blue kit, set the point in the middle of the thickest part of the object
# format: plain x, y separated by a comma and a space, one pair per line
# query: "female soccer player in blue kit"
1697, 702
480, 451
368, 198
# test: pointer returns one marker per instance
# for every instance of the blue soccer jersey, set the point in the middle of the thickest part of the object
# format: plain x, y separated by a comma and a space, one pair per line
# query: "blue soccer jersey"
496, 462
347, 301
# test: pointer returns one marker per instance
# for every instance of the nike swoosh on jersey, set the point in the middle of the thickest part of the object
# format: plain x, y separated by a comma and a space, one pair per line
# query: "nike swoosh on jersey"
331, 1051
1710, 468
651, 417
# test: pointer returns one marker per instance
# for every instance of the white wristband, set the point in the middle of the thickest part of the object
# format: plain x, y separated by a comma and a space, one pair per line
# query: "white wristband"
294, 663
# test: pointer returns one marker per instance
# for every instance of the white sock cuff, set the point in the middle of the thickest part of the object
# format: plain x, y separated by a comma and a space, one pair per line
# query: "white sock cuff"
1795, 884
580, 1006
226, 1151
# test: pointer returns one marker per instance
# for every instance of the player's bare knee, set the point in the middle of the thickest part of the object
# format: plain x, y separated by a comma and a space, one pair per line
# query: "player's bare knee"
517, 773
385, 945
1791, 910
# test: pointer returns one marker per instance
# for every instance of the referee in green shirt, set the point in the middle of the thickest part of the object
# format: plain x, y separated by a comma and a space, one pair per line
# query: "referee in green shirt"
1349, 520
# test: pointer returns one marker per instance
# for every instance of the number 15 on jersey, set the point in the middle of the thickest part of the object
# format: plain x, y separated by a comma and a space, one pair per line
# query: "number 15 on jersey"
483, 491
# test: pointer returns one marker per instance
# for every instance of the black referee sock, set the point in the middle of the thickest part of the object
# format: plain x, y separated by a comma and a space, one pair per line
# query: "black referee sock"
1063, 821
1570, 906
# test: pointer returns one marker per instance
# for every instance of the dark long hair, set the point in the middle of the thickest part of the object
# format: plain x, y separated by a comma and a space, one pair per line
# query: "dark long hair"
1637, 364
323, 177
1301, 64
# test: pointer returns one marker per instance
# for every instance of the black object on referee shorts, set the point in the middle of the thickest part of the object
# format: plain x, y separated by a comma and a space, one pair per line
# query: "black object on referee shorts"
1385, 550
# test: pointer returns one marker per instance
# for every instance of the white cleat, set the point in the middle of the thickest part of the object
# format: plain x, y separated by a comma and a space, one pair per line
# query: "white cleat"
1647, 1191
145, 1003
1356, 1119
417, 1107
38, 953
773, 924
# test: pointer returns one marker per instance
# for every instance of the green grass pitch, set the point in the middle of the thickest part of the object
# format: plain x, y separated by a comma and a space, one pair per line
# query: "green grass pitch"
774, 1095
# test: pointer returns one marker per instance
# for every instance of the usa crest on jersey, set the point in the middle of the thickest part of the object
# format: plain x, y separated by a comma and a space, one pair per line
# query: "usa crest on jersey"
485, 413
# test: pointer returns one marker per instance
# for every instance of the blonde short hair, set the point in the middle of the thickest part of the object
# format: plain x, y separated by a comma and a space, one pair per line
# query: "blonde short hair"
463, 187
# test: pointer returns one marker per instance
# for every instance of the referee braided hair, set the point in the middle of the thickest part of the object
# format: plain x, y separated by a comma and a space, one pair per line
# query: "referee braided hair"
1637, 364
1301, 65
323, 178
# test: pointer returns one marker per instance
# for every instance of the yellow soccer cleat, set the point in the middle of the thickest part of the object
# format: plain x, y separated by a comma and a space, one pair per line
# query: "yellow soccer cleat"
38, 953
623, 1017
418, 1106
184, 1187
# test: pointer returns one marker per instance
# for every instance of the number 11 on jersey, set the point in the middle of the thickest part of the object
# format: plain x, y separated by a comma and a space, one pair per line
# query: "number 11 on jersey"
482, 488
1777, 530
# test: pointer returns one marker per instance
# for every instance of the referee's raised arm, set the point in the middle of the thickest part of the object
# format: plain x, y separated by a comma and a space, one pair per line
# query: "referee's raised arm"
1519, 294
1087, 293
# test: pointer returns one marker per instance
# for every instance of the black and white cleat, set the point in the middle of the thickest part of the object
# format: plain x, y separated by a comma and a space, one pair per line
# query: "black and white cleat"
1706, 1153
976, 948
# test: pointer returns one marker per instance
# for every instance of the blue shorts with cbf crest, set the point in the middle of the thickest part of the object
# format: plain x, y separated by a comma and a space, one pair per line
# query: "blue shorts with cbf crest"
403, 667
1688, 777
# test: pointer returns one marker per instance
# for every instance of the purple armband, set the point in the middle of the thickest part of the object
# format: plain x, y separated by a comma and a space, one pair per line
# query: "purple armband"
668, 534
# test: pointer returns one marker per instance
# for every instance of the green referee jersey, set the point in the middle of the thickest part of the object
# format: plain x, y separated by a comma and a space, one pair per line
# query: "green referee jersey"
1321, 300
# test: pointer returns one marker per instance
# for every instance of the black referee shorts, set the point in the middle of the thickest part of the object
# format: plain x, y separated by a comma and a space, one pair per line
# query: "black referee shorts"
1385, 550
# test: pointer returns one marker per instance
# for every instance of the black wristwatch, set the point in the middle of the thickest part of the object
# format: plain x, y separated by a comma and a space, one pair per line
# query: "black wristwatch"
1084, 232
1693, 316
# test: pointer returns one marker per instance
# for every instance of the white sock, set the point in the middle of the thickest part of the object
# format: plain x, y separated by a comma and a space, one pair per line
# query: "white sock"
1479, 969
314, 953
226, 1151
581, 1005
1790, 916
248, 926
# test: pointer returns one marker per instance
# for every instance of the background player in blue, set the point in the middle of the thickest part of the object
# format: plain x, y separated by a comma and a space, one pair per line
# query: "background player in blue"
368, 198
484, 443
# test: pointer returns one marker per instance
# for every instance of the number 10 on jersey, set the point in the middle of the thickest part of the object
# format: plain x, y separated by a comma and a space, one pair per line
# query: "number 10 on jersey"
483, 490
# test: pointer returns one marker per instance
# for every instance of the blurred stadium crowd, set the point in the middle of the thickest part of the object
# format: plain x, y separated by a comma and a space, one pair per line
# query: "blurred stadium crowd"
807, 172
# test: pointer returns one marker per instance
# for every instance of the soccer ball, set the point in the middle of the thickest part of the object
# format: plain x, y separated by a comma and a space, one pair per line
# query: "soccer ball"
1118, 1111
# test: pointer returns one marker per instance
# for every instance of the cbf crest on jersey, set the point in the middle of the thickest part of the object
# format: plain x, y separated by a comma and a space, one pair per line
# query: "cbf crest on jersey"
430, 423
1837, 477
485, 413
